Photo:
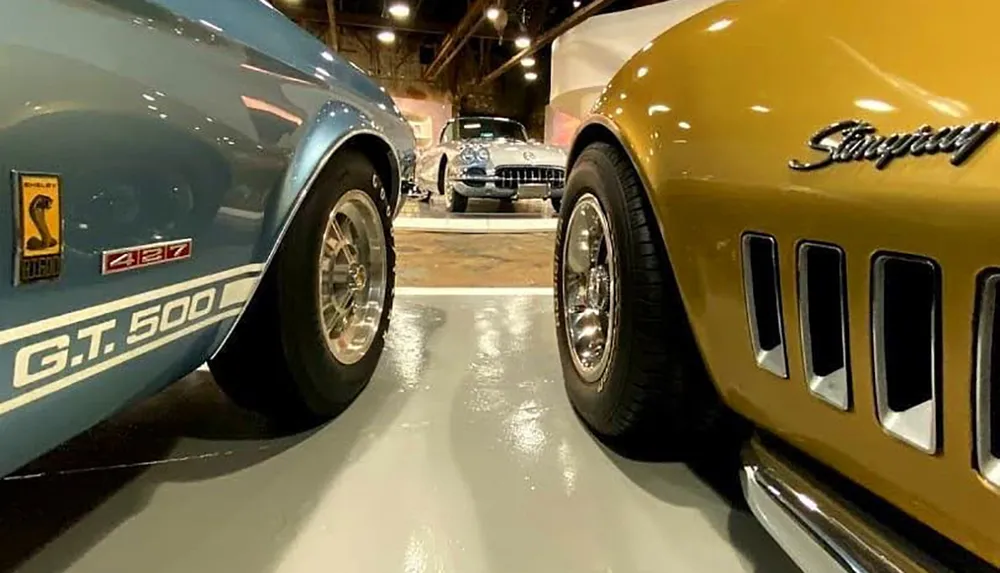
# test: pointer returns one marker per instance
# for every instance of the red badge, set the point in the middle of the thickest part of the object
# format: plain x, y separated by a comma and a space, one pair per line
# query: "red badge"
132, 258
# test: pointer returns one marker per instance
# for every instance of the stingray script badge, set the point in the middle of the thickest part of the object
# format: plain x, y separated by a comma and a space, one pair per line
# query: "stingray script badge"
39, 227
860, 141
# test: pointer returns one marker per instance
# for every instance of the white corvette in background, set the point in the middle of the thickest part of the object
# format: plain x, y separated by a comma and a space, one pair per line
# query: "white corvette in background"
492, 158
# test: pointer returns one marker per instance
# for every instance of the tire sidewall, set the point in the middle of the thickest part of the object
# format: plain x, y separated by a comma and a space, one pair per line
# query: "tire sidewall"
597, 402
327, 385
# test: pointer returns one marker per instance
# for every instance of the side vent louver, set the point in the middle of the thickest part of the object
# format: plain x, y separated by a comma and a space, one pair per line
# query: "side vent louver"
987, 412
823, 322
906, 328
760, 282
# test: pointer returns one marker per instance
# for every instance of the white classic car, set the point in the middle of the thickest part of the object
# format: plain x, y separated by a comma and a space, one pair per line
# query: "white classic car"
490, 157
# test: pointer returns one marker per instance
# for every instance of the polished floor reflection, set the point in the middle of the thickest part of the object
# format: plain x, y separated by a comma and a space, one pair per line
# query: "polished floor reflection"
462, 456
479, 208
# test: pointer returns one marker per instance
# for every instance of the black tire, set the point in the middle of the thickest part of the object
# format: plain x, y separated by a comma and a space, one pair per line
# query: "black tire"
456, 202
556, 203
277, 362
442, 172
656, 392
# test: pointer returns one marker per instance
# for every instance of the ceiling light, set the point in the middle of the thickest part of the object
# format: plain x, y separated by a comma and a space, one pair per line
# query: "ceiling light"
399, 10
576, 3
528, 62
522, 42
386, 36
531, 76
492, 14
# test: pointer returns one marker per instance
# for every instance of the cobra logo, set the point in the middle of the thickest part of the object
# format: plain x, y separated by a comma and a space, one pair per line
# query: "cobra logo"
36, 210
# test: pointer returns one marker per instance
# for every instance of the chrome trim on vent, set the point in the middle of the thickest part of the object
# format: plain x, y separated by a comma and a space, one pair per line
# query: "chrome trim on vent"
820, 531
833, 388
774, 360
986, 462
918, 425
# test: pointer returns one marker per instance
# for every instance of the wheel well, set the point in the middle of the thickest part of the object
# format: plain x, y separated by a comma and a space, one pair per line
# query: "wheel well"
383, 160
442, 174
593, 133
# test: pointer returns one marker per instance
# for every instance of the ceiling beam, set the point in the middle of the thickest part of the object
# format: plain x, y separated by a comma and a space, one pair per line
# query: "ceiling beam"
454, 41
574, 20
331, 14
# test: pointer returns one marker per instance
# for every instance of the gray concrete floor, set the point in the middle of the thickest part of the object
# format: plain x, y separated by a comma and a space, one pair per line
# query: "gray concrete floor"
463, 455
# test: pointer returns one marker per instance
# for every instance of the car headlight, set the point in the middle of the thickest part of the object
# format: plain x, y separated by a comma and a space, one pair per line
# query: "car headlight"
468, 155
474, 155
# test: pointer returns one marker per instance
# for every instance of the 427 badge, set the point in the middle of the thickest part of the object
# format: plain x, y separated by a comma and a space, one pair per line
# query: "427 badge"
39, 228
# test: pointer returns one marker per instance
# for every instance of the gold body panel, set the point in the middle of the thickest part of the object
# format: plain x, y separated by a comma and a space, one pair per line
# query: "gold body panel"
711, 113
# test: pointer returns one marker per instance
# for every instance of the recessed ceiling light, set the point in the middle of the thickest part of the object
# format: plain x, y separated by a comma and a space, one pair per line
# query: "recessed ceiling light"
576, 3
492, 14
531, 76
528, 62
399, 10
386, 36
522, 42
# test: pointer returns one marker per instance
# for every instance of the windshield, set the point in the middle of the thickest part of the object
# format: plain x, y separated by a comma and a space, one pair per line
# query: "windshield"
485, 128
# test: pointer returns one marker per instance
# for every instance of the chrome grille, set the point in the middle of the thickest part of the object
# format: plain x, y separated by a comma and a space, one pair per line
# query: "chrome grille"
511, 177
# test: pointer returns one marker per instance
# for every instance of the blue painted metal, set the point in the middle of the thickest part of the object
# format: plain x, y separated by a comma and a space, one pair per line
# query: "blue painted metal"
165, 119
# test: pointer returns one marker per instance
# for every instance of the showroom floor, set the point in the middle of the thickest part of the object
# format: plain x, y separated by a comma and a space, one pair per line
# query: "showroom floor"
463, 455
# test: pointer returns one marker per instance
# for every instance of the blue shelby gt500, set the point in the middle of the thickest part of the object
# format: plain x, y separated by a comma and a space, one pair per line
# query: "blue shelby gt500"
189, 180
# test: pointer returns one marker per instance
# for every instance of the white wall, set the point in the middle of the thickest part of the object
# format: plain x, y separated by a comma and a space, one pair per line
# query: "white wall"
585, 58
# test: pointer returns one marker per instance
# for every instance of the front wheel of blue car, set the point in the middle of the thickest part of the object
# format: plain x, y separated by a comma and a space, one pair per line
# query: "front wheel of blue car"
313, 335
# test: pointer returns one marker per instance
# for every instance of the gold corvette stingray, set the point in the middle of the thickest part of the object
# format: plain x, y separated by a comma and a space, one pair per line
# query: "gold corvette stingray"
790, 210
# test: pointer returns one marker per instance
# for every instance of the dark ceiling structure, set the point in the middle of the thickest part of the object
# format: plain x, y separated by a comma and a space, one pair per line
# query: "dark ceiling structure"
445, 27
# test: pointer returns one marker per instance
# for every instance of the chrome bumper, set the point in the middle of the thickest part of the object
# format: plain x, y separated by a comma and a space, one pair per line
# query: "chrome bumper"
820, 532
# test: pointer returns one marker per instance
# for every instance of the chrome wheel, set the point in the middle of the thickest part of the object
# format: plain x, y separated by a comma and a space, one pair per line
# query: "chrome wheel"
352, 276
589, 288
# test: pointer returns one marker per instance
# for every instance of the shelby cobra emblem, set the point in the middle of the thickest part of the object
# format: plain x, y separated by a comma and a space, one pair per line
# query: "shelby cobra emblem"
860, 141
38, 208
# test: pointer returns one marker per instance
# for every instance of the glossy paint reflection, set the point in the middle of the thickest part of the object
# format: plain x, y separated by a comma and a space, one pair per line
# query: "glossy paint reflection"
462, 456
166, 120
723, 102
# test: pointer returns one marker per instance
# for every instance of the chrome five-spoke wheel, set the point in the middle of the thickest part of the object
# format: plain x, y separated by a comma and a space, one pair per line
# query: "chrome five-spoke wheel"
313, 333
352, 277
589, 288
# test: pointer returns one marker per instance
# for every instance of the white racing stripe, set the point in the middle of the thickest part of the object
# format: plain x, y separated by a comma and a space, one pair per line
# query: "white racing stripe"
63, 383
40, 326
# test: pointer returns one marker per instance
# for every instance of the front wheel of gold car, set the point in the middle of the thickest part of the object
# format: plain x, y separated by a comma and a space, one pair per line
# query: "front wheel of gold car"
632, 367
